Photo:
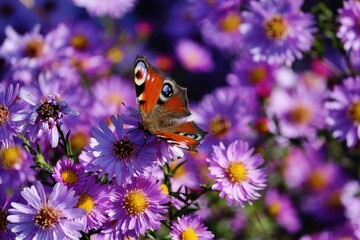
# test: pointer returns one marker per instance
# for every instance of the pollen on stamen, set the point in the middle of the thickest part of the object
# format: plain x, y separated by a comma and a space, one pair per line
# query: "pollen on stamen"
236, 172
47, 218
135, 202
189, 234
69, 177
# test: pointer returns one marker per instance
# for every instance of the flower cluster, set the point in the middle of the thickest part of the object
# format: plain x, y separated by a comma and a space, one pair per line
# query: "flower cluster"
274, 85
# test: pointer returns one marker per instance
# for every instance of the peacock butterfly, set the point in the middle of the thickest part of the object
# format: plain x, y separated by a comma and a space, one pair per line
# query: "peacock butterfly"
163, 105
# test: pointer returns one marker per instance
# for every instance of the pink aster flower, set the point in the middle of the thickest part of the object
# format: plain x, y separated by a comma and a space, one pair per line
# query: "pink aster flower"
299, 111
344, 111
236, 172
349, 32
139, 206
277, 31
69, 173
190, 227
193, 56
281, 208
94, 198
46, 216
112, 8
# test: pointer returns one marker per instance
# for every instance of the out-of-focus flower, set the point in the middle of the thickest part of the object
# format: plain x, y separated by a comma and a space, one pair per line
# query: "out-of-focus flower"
299, 111
190, 227
259, 75
70, 174
15, 169
344, 111
139, 206
221, 28
46, 216
193, 56
236, 172
110, 94
276, 31
95, 200
118, 154
348, 32
112, 8
5, 232
282, 209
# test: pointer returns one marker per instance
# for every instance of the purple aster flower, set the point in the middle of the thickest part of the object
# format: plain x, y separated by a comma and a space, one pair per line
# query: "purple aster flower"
119, 154
112, 8
15, 166
10, 117
70, 174
221, 29
95, 200
48, 109
139, 206
46, 216
344, 111
281, 208
236, 172
276, 31
259, 75
299, 111
193, 56
343, 231
190, 227
30, 51
349, 32
226, 114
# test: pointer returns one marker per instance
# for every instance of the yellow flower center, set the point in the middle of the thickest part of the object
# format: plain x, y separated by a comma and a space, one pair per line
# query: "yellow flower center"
236, 172
276, 28
33, 48
180, 171
46, 218
68, 176
274, 208
301, 114
10, 157
334, 199
4, 114
219, 126
231, 22
3, 220
85, 202
115, 55
257, 75
354, 112
189, 234
79, 42
261, 126
79, 140
317, 180
114, 98
135, 202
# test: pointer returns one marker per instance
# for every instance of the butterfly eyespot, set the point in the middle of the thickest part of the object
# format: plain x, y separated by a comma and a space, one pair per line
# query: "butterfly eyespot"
192, 135
167, 90
140, 73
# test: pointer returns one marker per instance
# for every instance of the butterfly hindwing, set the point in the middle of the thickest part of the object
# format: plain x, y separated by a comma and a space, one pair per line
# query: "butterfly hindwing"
186, 135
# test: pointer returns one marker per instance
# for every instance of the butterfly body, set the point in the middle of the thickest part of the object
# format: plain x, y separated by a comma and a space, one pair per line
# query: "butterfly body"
163, 105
